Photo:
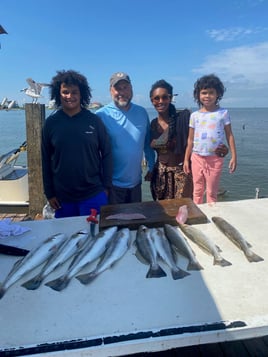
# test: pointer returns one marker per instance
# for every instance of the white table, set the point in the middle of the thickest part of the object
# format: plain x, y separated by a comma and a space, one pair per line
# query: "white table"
122, 312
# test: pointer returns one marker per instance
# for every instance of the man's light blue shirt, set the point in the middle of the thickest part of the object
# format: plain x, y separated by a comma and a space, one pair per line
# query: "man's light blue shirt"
129, 131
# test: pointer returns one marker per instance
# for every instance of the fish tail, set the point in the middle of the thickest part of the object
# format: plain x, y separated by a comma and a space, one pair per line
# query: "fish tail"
86, 278
2, 290
194, 266
254, 258
179, 274
155, 271
58, 284
33, 283
222, 262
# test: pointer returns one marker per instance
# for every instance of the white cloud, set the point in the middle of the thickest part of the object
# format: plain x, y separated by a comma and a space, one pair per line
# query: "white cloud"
244, 72
241, 64
234, 33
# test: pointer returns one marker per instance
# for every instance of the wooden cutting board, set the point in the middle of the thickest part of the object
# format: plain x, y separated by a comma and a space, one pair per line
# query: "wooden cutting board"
157, 213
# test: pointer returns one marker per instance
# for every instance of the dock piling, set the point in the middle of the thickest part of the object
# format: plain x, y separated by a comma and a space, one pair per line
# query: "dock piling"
35, 117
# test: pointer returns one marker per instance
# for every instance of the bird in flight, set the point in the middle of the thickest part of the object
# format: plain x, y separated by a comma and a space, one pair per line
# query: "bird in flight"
2, 31
34, 90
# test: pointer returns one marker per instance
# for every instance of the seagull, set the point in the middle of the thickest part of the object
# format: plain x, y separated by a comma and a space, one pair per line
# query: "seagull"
34, 90
2, 31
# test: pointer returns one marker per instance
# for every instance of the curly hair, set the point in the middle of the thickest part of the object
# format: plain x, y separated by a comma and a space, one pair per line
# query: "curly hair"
70, 77
208, 81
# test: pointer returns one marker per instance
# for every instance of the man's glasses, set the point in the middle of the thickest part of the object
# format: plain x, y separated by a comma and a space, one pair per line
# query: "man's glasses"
164, 98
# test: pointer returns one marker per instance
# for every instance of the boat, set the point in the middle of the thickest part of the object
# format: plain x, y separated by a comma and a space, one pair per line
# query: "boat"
13, 179
94, 106
8, 104
218, 311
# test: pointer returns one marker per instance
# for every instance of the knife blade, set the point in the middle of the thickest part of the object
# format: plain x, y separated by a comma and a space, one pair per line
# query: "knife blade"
11, 250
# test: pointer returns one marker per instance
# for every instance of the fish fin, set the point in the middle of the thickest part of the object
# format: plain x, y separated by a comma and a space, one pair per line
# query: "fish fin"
218, 249
222, 262
86, 278
194, 253
15, 266
179, 274
33, 283
194, 266
204, 250
174, 253
248, 244
79, 245
140, 257
54, 248
2, 291
155, 272
254, 258
59, 283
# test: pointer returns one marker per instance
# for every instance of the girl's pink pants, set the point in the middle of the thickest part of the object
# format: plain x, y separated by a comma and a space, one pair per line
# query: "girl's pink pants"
206, 172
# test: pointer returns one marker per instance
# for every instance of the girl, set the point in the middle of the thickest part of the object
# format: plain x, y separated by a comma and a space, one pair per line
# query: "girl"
206, 136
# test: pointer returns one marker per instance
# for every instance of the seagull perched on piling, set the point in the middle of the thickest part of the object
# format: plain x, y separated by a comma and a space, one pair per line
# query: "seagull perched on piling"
35, 89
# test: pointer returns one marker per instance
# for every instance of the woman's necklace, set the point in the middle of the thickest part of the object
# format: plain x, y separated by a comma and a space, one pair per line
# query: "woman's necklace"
163, 124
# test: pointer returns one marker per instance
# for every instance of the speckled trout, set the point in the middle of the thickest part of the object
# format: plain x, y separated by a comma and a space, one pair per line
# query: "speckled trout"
177, 239
205, 243
90, 251
116, 249
69, 247
234, 235
165, 252
32, 260
147, 253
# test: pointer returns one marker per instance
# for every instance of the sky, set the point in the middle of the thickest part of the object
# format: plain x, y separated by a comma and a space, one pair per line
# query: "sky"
175, 40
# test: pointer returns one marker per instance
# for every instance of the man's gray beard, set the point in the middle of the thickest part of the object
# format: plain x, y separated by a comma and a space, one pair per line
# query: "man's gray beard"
123, 104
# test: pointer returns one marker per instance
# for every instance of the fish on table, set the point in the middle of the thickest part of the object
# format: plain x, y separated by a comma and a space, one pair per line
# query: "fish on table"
236, 237
166, 254
177, 239
116, 249
68, 248
147, 253
32, 260
92, 249
205, 243
126, 216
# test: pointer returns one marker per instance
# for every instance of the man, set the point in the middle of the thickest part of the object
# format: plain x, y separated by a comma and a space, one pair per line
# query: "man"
129, 128
76, 150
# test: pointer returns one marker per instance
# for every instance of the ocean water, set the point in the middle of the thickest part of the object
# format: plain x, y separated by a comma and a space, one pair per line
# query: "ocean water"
250, 128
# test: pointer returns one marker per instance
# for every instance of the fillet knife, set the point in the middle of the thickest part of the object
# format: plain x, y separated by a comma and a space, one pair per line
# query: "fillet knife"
11, 250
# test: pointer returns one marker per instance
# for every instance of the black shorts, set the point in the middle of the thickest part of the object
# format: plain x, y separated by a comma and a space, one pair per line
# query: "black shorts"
125, 195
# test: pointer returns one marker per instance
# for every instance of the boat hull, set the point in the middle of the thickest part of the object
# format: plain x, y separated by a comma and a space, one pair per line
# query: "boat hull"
14, 187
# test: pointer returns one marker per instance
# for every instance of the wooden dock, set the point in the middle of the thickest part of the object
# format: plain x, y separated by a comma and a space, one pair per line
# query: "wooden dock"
15, 217
18, 214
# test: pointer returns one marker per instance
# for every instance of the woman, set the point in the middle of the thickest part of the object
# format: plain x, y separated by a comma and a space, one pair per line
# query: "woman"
169, 133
